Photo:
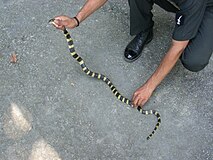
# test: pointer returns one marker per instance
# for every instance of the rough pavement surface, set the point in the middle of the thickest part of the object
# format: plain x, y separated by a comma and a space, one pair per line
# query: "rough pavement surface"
50, 110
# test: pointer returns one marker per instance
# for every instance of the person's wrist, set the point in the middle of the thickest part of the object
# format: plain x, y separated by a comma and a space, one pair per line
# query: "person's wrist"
150, 86
77, 21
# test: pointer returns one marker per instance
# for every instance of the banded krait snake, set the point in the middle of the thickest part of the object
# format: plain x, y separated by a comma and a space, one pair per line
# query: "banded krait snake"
106, 80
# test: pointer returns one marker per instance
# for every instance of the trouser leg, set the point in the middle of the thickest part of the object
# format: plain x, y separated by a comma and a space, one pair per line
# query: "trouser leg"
166, 5
197, 54
140, 16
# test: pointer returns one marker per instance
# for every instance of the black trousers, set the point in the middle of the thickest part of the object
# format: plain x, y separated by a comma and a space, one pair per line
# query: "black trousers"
197, 54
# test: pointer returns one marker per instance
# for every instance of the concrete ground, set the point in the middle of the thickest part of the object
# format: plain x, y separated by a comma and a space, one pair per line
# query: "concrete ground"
50, 110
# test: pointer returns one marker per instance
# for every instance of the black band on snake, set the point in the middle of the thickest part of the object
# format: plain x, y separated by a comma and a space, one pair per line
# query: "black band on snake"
106, 80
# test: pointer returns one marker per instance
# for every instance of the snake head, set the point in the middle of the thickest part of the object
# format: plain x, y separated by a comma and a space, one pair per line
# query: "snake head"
51, 20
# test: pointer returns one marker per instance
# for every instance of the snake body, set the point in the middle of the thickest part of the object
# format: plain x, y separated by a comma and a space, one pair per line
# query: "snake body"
107, 81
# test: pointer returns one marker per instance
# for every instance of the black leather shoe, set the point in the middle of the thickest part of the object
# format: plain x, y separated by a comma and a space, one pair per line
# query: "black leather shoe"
134, 48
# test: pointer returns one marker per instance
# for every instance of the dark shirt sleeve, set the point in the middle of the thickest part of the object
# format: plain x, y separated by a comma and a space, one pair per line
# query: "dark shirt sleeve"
188, 19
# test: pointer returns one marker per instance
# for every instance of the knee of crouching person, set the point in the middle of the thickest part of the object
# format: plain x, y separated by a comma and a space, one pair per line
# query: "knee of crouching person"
194, 65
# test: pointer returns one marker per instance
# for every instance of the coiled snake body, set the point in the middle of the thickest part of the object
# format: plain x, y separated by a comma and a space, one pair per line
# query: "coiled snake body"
106, 80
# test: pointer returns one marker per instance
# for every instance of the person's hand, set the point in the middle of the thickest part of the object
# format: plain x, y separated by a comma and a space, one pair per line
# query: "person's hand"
61, 22
141, 95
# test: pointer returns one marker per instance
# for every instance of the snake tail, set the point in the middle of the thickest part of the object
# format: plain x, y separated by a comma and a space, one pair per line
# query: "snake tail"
108, 82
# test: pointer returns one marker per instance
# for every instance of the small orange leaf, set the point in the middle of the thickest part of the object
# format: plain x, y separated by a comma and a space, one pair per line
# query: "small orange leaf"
13, 58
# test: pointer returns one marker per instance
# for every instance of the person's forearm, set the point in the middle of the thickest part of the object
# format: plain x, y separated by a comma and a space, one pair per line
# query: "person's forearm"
166, 64
89, 7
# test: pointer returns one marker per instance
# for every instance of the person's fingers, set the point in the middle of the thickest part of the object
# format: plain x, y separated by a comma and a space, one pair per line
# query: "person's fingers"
58, 18
134, 96
64, 21
135, 100
143, 103
57, 24
62, 17
140, 102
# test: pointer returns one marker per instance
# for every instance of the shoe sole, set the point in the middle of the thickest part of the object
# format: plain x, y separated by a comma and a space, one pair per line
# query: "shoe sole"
127, 60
